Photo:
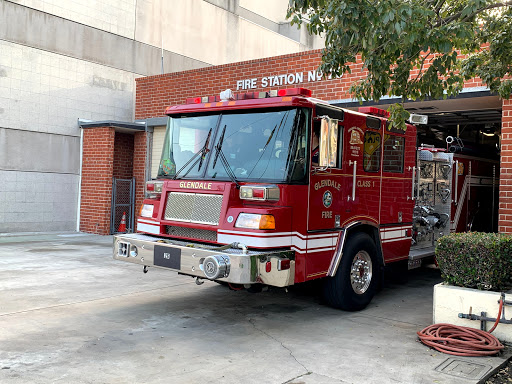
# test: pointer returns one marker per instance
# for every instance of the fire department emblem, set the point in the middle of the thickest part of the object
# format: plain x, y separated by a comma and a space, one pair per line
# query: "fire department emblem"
355, 136
327, 199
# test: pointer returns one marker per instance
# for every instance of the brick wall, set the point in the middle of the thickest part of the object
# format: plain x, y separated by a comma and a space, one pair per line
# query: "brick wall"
155, 93
97, 171
505, 212
123, 156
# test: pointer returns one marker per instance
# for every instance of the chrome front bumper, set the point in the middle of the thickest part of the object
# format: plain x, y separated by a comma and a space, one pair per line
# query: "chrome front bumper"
229, 265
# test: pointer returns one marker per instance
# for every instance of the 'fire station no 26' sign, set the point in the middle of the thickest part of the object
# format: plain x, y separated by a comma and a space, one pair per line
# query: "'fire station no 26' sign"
278, 80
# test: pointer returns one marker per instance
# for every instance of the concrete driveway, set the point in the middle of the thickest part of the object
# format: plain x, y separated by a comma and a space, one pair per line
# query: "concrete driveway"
69, 313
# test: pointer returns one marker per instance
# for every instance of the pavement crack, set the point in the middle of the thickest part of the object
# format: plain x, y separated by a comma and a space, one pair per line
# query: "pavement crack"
308, 372
296, 377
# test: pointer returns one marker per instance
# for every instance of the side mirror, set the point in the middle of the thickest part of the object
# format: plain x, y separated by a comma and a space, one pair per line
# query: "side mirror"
328, 148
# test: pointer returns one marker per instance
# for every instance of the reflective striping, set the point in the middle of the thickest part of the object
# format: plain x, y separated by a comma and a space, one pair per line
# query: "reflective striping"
299, 242
262, 242
387, 229
323, 273
392, 234
148, 222
330, 249
398, 239
397, 233
154, 229
317, 243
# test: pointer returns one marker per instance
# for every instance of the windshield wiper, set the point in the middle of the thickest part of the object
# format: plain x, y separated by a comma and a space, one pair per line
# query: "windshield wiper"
223, 159
203, 151
219, 146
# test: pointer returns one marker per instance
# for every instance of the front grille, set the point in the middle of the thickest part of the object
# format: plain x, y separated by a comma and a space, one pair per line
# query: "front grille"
193, 207
192, 233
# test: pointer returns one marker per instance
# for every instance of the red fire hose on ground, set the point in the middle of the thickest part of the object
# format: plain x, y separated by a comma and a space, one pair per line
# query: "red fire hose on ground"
462, 341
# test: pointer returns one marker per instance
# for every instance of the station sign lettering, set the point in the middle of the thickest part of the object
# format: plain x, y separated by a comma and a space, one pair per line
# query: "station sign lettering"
279, 80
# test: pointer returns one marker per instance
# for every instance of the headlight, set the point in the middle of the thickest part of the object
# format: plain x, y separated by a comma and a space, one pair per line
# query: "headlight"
255, 221
147, 210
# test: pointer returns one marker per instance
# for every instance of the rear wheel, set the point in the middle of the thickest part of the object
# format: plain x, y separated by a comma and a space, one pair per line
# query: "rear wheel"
355, 282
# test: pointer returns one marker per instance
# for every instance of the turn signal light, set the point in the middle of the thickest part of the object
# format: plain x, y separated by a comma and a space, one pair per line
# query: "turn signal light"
255, 221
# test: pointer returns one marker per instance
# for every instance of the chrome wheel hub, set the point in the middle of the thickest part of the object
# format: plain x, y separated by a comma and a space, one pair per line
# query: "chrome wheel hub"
361, 272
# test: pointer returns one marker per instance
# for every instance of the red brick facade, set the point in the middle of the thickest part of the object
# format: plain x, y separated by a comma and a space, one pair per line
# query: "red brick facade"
123, 156
155, 93
505, 218
108, 154
97, 171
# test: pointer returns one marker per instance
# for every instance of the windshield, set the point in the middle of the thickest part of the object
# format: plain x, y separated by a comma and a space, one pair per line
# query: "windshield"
257, 146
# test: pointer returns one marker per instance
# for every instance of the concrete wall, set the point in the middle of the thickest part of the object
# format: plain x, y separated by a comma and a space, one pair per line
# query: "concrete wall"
115, 16
221, 31
37, 201
64, 60
37, 29
42, 94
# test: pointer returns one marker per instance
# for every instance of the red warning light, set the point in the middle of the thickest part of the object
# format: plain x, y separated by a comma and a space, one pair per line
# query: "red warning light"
374, 111
294, 92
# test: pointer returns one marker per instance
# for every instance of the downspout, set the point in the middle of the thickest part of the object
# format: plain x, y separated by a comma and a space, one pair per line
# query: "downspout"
80, 121
147, 171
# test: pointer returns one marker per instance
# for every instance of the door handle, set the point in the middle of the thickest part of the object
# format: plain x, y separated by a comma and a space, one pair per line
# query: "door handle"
354, 176
456, 181
413, 181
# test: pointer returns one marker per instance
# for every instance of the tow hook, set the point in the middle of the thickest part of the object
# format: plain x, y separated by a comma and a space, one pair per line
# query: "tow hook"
199, 281
145, 269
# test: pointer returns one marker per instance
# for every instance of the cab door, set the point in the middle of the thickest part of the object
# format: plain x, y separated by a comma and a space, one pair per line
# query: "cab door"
325, 188
325, 202
362, 170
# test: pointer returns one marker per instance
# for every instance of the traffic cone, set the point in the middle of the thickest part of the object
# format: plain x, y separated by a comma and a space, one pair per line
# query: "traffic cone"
122, 226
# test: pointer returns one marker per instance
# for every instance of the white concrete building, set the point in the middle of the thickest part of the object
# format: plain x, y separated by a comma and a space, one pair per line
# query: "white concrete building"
64, 60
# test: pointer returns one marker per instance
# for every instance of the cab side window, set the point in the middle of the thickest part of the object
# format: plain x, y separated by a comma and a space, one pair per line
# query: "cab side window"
393, 154
372, 148
336, 142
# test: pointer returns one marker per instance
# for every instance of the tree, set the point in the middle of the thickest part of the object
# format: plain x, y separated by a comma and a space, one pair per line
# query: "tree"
448, 41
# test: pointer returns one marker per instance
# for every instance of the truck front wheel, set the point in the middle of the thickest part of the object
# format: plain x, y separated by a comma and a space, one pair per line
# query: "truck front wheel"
355, 282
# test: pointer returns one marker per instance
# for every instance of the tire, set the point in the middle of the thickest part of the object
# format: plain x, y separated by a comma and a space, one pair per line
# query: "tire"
357, 277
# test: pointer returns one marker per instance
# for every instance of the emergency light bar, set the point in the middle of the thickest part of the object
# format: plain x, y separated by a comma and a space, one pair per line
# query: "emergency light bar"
294, 92
374, 111
228, 95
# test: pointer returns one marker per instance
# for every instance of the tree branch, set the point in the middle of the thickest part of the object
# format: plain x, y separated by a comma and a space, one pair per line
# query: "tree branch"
459, 14
438, 7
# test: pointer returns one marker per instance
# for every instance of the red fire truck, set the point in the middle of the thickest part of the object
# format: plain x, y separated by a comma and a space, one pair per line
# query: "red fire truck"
245, 196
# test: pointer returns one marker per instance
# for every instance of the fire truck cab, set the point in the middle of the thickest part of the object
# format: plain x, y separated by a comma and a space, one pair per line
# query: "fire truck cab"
245, 196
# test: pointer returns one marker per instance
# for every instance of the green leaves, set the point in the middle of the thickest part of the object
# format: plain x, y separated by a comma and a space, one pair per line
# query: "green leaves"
410, 48
476, 260
397, 117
